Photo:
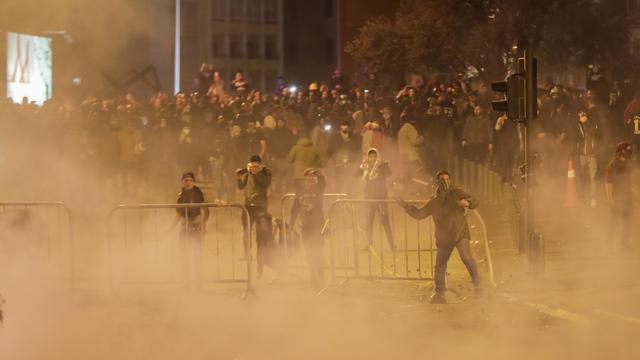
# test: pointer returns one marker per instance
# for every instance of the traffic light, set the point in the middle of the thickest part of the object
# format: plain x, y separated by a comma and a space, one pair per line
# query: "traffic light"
531, 78
513, 102
521, 91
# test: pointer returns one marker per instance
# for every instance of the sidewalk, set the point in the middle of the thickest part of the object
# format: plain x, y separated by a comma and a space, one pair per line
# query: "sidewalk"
583, 279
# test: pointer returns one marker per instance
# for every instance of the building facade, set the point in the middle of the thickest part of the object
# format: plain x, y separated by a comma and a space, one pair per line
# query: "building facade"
311, 47
234, 36
317, 31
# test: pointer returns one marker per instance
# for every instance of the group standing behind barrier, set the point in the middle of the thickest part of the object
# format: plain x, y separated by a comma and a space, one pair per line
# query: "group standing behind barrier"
209, 240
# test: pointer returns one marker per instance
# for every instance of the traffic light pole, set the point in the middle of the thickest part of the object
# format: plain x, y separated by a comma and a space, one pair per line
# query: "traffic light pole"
521, 106
534, 242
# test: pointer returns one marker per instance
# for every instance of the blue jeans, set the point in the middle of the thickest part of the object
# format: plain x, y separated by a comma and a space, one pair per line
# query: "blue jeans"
442, 257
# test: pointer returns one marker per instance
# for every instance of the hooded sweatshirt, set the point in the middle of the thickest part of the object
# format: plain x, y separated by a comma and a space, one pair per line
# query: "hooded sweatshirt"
304, 155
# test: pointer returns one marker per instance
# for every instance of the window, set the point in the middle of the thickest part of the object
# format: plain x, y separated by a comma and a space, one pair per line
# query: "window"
271, 11
254, 11
292, 53
255, 79
253, 47
218, 48
271, 47
236, 10
235, 46
270, 78
219, 9
329, 52
328, 8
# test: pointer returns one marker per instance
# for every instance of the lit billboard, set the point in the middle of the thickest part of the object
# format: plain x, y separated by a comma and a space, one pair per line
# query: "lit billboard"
29, 67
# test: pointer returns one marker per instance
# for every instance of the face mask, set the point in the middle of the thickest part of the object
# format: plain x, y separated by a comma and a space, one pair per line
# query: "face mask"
444, 185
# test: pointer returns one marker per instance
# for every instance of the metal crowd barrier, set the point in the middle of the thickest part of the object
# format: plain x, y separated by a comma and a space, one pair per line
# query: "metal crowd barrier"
479, 180
350, 257
146, 243
493, 191
413, 258
51, 235
286, 203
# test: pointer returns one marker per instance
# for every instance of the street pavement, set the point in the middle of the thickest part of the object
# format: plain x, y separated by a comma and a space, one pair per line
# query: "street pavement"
584, 305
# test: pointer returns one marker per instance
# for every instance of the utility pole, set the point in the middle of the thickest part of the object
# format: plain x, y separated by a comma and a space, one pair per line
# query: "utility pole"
176, 55
521, 106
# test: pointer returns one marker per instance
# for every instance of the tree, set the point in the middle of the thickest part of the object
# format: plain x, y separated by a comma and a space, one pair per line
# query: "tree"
380, 46
449, 35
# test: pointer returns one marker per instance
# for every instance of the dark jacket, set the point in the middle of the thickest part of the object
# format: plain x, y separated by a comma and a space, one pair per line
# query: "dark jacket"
588, 136
449, 218
344, 151
255, 186
477, 129
308, 204
194, 195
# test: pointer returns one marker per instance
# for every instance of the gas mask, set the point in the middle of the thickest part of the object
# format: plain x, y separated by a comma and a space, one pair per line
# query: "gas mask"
444, 185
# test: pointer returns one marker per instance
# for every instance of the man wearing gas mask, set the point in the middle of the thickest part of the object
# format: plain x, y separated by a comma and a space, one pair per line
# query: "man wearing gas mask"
449, 207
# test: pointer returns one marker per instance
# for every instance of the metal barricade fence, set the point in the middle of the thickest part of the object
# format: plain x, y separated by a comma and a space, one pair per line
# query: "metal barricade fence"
479, 179
286, 203
153, 249
492, 190
44, 228
350, 256
413, 258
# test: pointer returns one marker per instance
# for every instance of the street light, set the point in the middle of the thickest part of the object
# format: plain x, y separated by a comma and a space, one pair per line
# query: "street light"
176, 56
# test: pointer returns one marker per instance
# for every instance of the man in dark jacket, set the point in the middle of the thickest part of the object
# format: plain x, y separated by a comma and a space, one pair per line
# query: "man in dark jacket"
255, 180
344, 154
477, 136
194, 219
308, 205
448, 207
374, 173
193, 224
588, 135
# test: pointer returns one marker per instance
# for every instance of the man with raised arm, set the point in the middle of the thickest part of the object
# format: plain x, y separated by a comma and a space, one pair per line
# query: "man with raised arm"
449, 207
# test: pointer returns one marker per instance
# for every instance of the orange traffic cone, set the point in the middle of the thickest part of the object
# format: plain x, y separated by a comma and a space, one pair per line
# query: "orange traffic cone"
570, 196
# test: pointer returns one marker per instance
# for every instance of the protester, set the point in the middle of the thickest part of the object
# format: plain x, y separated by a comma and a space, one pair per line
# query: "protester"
449, 207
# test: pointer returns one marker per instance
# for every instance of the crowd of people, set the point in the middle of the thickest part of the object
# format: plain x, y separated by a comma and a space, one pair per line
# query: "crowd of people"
362, 138
331, 125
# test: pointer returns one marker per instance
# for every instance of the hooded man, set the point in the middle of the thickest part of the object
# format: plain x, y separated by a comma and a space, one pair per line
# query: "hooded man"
375, 172
449, 207
302, 156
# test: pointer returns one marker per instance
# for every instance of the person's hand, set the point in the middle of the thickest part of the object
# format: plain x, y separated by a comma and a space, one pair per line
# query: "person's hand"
402, 203
490, 148
464, 143
464, 203
255, 168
